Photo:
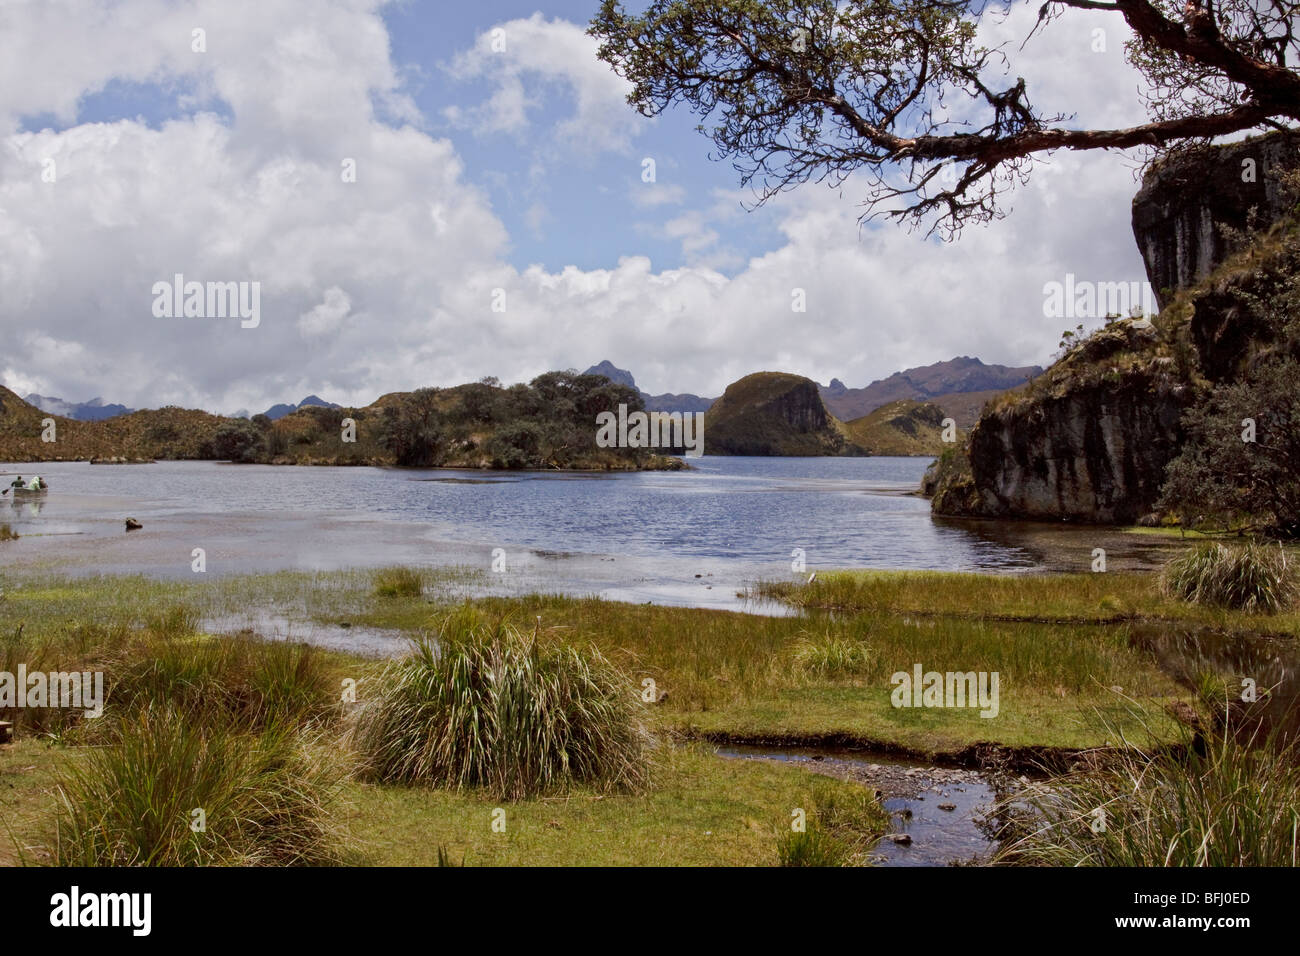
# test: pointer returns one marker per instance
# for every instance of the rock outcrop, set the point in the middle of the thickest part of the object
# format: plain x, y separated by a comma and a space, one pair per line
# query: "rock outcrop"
776, 413
1183, 204
1090, 439
1087, 442
773, 413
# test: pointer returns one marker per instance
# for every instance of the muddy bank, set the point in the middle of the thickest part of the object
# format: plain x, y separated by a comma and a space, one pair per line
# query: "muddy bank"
984, 757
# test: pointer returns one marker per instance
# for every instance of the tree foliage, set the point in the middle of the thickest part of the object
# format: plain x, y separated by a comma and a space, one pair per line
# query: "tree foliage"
411, 429
904, 91
1240, 463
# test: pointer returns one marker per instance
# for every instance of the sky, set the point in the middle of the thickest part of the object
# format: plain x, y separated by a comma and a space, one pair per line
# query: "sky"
498, 222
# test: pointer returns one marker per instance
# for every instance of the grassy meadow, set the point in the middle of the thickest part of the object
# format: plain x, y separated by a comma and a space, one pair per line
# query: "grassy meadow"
609, 710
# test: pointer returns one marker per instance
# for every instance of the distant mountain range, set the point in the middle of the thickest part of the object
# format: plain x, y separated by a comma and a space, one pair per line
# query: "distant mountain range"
667, 402
96, 411
92, 411
276, 412
959, 386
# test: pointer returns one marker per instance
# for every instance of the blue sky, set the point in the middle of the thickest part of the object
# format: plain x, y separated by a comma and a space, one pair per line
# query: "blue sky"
586, 213
485, 176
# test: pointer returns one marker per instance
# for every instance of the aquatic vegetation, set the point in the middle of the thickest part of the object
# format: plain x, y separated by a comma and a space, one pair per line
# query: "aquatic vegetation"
399, 582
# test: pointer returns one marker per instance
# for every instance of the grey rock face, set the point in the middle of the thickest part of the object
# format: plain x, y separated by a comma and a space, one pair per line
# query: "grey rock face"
1183, 202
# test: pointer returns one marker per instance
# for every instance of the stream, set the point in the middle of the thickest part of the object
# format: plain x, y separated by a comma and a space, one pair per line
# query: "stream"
917, 796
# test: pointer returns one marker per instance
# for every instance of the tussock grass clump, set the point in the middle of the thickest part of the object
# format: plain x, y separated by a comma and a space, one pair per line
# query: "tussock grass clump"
487, 706
399, 582
264, 798
1255, 578
7, 533
234, 680
812, 847
839, 830
831, 657
1235, 805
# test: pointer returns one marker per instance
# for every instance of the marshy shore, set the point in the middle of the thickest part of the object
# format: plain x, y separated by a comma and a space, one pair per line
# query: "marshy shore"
1078, 675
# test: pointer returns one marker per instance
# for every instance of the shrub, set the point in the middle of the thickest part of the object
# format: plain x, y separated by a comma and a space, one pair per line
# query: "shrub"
264, 798
239, 441
1253, 577
411, 429
486, 706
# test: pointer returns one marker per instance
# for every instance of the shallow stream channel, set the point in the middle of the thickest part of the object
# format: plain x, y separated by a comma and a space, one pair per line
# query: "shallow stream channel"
935, 812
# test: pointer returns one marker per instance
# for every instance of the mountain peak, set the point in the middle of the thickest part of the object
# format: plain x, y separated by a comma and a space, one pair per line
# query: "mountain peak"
619, 376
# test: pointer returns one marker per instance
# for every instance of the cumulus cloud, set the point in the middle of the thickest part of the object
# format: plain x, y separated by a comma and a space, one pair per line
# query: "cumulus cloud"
535, 53
387, 282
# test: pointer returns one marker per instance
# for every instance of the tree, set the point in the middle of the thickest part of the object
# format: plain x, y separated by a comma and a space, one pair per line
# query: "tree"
815, 90
238, 441
1240, 465
411, 430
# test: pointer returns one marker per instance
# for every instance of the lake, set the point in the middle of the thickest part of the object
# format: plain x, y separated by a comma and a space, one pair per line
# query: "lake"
690, 537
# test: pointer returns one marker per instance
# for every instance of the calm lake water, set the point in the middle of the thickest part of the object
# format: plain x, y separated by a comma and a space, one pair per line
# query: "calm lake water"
691, 537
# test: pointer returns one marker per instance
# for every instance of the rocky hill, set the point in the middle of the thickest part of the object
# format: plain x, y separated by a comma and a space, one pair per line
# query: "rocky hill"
776, 413
1180, 212
1091, 439
899, 428
773, 413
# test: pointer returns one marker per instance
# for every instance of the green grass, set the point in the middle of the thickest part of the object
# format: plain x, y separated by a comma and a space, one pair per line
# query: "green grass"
1254, 577
812, 847
1234, 805
724, 672
1060, 643
238, 680
1109, 598
833, 657
261, 799
703, 810
488, 706
399, 582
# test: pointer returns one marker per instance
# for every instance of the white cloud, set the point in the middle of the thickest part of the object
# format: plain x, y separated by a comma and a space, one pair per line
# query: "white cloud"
538, 53
326, 317
419, 251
